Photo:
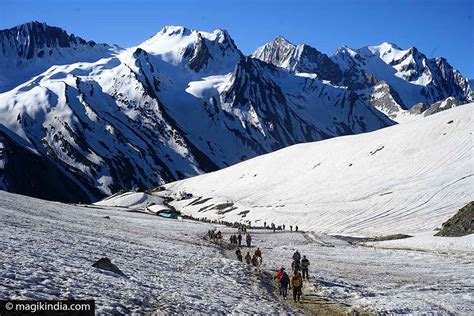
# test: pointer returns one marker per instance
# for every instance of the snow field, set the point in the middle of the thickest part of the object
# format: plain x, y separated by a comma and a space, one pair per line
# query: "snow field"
48, 250
378, 280
134, 200
408, 178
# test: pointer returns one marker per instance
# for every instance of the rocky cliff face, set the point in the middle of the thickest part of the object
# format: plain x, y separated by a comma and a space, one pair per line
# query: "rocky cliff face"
461, 224
298, 59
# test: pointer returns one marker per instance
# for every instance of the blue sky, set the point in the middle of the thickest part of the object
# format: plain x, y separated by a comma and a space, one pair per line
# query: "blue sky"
436, 27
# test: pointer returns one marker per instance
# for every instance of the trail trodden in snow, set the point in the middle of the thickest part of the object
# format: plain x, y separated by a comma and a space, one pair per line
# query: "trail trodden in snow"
373, 279
48, 250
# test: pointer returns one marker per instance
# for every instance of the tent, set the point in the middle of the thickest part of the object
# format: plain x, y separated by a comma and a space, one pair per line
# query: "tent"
167, 213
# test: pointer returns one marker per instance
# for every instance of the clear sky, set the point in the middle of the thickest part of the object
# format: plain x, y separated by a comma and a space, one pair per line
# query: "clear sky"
436, 27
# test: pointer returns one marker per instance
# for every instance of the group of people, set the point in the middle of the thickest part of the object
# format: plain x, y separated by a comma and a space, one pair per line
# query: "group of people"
300, 264
214, 235
296, 281
237, 240
273, 227
255, 260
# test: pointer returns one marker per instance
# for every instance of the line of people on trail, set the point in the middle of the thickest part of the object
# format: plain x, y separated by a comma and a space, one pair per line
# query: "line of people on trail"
285, 282
296, 281
255, 260
237, 240
273, 227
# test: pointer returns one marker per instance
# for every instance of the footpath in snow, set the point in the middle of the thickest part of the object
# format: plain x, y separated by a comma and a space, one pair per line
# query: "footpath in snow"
373, 279
48, 250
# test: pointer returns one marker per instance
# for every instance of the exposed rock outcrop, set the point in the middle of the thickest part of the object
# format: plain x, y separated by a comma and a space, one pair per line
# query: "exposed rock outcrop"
461, 224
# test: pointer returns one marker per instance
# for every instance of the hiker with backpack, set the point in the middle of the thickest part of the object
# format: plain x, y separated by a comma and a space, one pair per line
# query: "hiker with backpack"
248, 258
296, 260
258, 254
297, 285
279, 274
255, 261
238, 253
305, 267
278, 278
284, 281
218, 236
249, 240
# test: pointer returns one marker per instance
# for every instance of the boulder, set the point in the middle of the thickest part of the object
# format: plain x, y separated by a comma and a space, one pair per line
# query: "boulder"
419, 108
106, 264
442, 105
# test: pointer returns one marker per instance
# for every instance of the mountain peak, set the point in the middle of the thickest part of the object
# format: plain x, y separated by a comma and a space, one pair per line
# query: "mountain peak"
281, 40
198, 50
277, 52
36, 46
32, 24
389, 45
173, 30
32, 38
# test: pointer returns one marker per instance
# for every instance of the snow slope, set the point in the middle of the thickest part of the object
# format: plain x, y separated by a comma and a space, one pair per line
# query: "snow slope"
428, 242
132, 200
403, 179
48, 250
381, 281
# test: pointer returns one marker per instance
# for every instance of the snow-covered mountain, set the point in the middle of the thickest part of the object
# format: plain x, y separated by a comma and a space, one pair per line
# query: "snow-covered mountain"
409, 178
182, 103
409, 76
391, 79
298, 59
31, 48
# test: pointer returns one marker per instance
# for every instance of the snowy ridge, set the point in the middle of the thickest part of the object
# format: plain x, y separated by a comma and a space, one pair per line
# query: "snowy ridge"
378, 183
185, 102
31, 48
387, 77
182, 103
410, 77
